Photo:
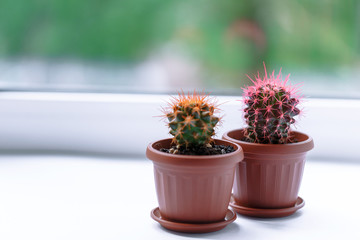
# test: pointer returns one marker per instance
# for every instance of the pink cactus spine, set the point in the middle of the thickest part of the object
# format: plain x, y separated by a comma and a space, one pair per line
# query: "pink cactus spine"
270, 108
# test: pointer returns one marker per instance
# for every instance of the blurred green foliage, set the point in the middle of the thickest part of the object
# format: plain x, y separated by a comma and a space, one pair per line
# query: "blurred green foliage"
223, 35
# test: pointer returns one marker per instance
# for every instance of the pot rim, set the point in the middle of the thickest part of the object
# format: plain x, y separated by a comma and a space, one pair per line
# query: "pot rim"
155, 155
260, 148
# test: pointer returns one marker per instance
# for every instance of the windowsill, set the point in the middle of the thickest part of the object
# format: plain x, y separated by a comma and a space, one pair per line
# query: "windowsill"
74, 197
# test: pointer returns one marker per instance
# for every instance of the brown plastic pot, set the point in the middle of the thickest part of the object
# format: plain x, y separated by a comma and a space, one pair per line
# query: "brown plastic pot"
193, 189
270, 175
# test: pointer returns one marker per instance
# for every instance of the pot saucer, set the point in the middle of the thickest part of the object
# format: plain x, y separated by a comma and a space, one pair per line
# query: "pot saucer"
193, 227
266, 212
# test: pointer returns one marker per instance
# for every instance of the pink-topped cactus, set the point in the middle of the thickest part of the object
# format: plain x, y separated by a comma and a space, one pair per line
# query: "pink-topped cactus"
270, 108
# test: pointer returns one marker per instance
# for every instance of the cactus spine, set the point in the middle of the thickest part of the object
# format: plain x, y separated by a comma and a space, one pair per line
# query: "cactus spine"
191, 119
270, 108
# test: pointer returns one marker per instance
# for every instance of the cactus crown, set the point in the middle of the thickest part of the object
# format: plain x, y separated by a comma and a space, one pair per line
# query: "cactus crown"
191, 119
270, 108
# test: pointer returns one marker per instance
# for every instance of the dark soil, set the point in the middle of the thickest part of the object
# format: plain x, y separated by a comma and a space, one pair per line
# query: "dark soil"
213, 150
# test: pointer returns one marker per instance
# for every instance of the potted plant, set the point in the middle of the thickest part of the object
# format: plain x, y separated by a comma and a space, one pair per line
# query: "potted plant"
194, 173
267, 182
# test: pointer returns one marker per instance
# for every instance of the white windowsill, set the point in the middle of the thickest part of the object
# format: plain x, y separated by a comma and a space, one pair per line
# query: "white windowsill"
82, 197
67, 197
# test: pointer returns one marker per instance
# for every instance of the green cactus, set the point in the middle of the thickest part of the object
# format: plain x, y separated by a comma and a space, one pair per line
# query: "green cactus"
191, 120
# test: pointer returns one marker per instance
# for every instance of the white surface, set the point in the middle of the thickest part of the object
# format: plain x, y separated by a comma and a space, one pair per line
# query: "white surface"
125, 123
64, 197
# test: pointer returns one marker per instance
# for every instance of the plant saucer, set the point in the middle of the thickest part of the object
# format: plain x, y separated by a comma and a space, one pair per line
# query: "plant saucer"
266, 212
193, 227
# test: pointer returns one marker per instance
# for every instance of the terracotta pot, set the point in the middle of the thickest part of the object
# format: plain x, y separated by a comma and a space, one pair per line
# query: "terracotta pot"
193, 189
270, 175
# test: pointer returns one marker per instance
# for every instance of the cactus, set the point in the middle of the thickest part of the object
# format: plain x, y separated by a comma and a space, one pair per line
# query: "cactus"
270, 108
191, 120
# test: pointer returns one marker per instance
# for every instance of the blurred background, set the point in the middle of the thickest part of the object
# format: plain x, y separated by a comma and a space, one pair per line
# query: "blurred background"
160, 46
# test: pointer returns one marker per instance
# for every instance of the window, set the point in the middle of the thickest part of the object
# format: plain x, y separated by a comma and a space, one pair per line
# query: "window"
141, 48
159, 46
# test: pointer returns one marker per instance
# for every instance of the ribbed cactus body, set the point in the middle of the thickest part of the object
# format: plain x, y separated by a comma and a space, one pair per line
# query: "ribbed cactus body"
271, 106
191, 120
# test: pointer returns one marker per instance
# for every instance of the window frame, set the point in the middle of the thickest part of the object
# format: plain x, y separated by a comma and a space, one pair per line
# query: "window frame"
124, 124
